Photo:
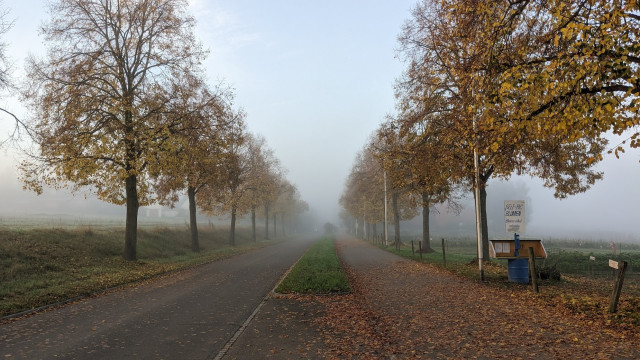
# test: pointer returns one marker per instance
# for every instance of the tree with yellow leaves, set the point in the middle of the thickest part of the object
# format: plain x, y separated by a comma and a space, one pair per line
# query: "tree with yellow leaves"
364, 193
100, 97
454, 50
572, 69
227, 194
195, 152
261, 184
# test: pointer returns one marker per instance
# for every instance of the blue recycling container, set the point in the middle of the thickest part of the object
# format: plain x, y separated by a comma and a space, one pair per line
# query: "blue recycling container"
518, 270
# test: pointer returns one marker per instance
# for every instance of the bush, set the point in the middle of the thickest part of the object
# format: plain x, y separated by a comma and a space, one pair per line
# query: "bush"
548, 272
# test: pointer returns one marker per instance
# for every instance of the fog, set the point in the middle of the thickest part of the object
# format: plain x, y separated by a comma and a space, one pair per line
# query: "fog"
316, 79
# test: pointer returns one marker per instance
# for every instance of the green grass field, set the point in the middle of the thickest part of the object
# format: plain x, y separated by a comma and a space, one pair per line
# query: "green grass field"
317, 272
570, 257
40, 266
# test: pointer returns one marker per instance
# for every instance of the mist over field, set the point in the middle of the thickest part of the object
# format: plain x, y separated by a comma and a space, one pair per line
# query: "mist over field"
602, 213
317, 96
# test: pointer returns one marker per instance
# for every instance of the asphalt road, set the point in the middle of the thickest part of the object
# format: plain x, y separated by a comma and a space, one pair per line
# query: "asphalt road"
188, 315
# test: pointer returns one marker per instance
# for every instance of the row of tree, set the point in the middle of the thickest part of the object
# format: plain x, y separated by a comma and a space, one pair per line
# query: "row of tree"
120, 105
498, 88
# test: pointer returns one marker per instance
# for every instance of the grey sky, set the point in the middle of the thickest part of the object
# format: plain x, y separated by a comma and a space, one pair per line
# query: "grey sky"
316, 78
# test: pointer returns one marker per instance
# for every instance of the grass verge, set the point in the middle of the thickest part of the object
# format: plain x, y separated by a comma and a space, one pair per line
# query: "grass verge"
317, 272
45, 266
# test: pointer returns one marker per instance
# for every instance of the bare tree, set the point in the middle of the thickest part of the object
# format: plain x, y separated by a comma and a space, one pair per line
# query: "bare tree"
6, 67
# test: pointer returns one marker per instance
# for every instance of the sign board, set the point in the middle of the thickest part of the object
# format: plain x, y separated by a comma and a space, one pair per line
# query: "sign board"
613, 264
505, 249
592, 258
514, 216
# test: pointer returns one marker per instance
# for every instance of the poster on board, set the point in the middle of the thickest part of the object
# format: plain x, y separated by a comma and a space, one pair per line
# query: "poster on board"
514, 221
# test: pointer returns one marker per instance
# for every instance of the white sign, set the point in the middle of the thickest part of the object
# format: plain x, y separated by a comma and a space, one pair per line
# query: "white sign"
613, 264
514, 216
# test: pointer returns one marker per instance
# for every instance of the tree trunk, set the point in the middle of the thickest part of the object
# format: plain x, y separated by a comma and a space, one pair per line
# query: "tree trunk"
266, 221
485, 226
275, 226
193, 222
253, 222
131, 226
396, 219
282, 225
232, 233
426, 236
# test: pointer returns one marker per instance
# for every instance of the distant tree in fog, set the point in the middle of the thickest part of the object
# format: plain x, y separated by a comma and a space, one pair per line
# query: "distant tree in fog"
330, 229
364, 195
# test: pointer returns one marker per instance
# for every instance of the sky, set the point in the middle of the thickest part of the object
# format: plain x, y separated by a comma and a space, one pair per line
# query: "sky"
316, 80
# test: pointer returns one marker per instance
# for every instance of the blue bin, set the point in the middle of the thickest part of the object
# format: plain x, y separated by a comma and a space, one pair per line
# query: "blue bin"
519, 270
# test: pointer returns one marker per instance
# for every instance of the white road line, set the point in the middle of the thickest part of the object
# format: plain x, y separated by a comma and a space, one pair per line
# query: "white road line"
239, 332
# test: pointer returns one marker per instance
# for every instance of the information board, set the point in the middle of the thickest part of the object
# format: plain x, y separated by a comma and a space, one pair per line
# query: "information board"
514, 221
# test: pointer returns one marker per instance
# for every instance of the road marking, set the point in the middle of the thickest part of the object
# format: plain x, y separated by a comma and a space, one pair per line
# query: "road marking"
239, 332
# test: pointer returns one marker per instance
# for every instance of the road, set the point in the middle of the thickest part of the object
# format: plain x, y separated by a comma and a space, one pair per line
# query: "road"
186, 315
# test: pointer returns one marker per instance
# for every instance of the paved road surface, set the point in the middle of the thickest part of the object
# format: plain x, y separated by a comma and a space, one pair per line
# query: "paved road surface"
188, 315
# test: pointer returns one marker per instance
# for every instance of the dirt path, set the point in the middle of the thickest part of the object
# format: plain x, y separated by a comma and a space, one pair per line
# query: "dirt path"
403, 309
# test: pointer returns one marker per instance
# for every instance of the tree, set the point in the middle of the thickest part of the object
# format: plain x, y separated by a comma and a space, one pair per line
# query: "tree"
288, 204
364, 191
7, 85
363, 196
197, 147
391, 149
100, 97
576, 69
429, 165
270, 194
227, 195
260, 184
330, 229
454, 48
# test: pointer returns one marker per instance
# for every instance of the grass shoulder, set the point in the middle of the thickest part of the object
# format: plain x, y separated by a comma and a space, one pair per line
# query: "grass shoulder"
318, 272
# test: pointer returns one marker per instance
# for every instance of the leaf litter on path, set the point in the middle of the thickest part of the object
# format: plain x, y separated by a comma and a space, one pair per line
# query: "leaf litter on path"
408, 310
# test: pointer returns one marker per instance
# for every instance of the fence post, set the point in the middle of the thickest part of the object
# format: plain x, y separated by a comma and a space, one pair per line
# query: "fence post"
532, 271
412, 249
444, 257
617, 289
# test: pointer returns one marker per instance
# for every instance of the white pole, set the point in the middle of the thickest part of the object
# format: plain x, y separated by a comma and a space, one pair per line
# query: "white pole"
386, 240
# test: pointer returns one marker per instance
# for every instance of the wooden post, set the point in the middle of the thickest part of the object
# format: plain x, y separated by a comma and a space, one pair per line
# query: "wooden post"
617, 288
444, 257
412, 249
420, 249
532, 271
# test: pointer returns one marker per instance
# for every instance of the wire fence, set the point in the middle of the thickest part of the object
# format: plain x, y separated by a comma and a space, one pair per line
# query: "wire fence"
569, 256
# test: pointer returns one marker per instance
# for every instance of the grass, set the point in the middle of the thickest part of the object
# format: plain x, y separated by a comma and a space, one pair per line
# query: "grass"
317, 272
43, 266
